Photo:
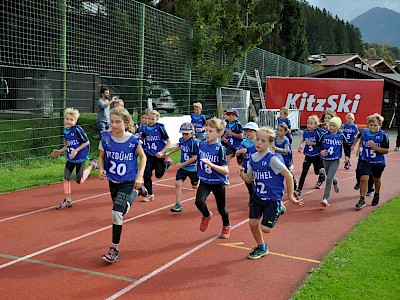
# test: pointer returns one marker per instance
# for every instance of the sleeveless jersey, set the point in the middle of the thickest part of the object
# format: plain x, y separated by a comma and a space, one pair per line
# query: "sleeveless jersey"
198, 122
236, 127
288, 157
251, 148
74, 137
289, 125
189, 148
155, 138
333, 144
268, 185
216, 154
350, 131
120, 158
381, 139
312, 136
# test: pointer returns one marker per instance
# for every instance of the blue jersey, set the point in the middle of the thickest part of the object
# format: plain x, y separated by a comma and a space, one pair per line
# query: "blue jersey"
198, 122
288, 157
368, 154
350, 131
216, 154
74, 137
333, 144
251, 148
155, 138
236, 127
120, 158
268, 185
189, 148
289, 125
312, 136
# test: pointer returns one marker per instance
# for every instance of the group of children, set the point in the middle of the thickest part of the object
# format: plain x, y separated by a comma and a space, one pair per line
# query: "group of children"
129, 155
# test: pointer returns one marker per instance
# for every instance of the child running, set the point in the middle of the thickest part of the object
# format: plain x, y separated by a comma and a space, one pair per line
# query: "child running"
283, 118
212, 169
186, 168
269, 173
77, 150
247, 148
119, 151
283, 147
350, 130
157, 143
233, 135
311, 153
374, 146
331, 144
199, 121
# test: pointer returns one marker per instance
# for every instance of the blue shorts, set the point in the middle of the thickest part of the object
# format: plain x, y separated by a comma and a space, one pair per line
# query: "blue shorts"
269, 210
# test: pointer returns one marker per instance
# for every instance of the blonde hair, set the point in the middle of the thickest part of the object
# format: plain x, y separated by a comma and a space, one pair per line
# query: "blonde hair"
375, 117
125, 116
73, 112
217, 124
351, 115
155, 113
285, 110
314, 118
119, 103
270, 133
198, 105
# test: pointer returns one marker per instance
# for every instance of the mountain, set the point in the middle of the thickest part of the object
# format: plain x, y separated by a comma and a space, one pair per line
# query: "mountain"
379, 25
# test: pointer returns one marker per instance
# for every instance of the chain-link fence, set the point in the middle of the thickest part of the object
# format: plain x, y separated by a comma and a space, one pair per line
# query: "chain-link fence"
59, 53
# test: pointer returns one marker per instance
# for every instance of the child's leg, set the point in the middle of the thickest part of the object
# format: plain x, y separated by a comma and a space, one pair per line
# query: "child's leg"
304, 171
69, 167
201, 196
160, 167
178, 191
377, 182
330, 167
220, 197
148, 184
371, 183
81, 173
363, 185
256, 231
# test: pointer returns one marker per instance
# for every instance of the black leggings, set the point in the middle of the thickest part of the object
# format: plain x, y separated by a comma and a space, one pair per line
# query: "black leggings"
218, 190
316, 161
158, 165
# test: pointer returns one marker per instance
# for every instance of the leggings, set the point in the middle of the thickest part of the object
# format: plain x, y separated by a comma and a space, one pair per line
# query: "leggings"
330, 167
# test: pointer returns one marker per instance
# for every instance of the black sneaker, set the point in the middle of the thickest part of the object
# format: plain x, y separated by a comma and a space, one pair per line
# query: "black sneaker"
143, 192
370, 192
361, 203
318, 184
298, 192
375, 201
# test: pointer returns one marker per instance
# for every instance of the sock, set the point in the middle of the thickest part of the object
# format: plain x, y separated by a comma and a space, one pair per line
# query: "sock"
262, 246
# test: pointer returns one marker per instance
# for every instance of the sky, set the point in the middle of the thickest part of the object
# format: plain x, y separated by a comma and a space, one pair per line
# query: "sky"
349, 9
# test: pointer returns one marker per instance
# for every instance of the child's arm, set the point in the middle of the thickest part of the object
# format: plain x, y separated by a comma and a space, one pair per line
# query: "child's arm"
247, 177
165, 149
168, 153
75, 152
220, 169
188, 162
57, 152
102, 172
281, 150
382, 150
290, 186
142, 164
241, 151
300, 149
237, 135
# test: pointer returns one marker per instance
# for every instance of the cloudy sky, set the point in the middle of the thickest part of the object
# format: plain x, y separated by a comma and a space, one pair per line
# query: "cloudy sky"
349, 9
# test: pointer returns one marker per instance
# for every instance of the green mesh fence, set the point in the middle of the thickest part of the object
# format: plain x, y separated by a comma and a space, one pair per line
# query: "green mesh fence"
59, 53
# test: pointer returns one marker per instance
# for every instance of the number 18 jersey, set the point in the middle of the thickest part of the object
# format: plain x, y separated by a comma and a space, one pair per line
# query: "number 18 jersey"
216, 154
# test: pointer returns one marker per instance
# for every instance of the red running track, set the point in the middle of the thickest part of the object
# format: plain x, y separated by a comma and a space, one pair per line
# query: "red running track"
46, 253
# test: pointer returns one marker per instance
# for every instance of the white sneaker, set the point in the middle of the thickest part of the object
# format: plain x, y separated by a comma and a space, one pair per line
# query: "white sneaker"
396, 149
325, 203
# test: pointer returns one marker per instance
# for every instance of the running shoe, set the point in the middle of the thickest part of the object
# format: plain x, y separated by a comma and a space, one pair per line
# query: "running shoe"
375, 201
370, 192
94, 164
177, 208
64, 204
298, 192
143, 192
318, 185
204, 222
257, 252
324, 203
336, 187
226, 232
112, 255
283, 209
357, 186
361, 204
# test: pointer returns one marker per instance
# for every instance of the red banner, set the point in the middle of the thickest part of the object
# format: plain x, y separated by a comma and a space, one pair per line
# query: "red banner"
311, 96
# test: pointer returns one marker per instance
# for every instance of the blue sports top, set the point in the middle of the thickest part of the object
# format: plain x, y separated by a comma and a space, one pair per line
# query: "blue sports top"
333, 144
198, 122
288, 157
120, 158
155, 138
381, 139
189, 148
236, 127
216, 154
312, 136
74, 137
350, 131
269, 184
251, 148
289, 125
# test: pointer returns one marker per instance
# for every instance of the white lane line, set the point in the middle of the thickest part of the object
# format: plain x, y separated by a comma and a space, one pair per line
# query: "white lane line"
172, 186
91, 233
169, 264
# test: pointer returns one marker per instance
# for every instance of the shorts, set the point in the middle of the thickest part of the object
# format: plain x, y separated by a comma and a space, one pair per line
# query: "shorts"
182, 174
269, 210
347, 149
375, 170
230, 150
121, 195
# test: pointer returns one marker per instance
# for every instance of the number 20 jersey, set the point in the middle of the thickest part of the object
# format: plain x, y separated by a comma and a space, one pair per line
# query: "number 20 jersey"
120, 158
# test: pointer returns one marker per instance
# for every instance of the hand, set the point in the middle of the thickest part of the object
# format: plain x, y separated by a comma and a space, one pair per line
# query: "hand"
177, 165
229, 132
205, 160
55, 153
159, 154
324, 153
308, 142
273, 147
240, 170
102, 174
138, 182
293, 200
371, 143
73, 154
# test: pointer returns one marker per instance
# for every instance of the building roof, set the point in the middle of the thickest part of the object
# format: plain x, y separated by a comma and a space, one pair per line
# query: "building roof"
328, 60
380, 64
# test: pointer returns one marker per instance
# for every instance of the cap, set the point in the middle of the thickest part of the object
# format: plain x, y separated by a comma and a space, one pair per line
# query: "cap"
251, 126
337, 121
186, 127
233, 111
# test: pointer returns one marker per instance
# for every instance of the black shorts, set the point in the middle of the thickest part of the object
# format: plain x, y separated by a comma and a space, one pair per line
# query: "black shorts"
269, 210
347, 149
375, 170
182, 174
121, 195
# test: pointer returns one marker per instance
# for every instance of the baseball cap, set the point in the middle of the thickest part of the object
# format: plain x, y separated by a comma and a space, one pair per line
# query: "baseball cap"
233, 111
186, 128
251, 126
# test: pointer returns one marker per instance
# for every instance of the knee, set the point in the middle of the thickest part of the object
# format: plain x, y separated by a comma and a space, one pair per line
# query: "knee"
178, 184
265, 229
254, 223
117, 217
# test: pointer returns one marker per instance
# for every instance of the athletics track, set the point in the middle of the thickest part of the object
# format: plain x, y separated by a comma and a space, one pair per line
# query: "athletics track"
48, 254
